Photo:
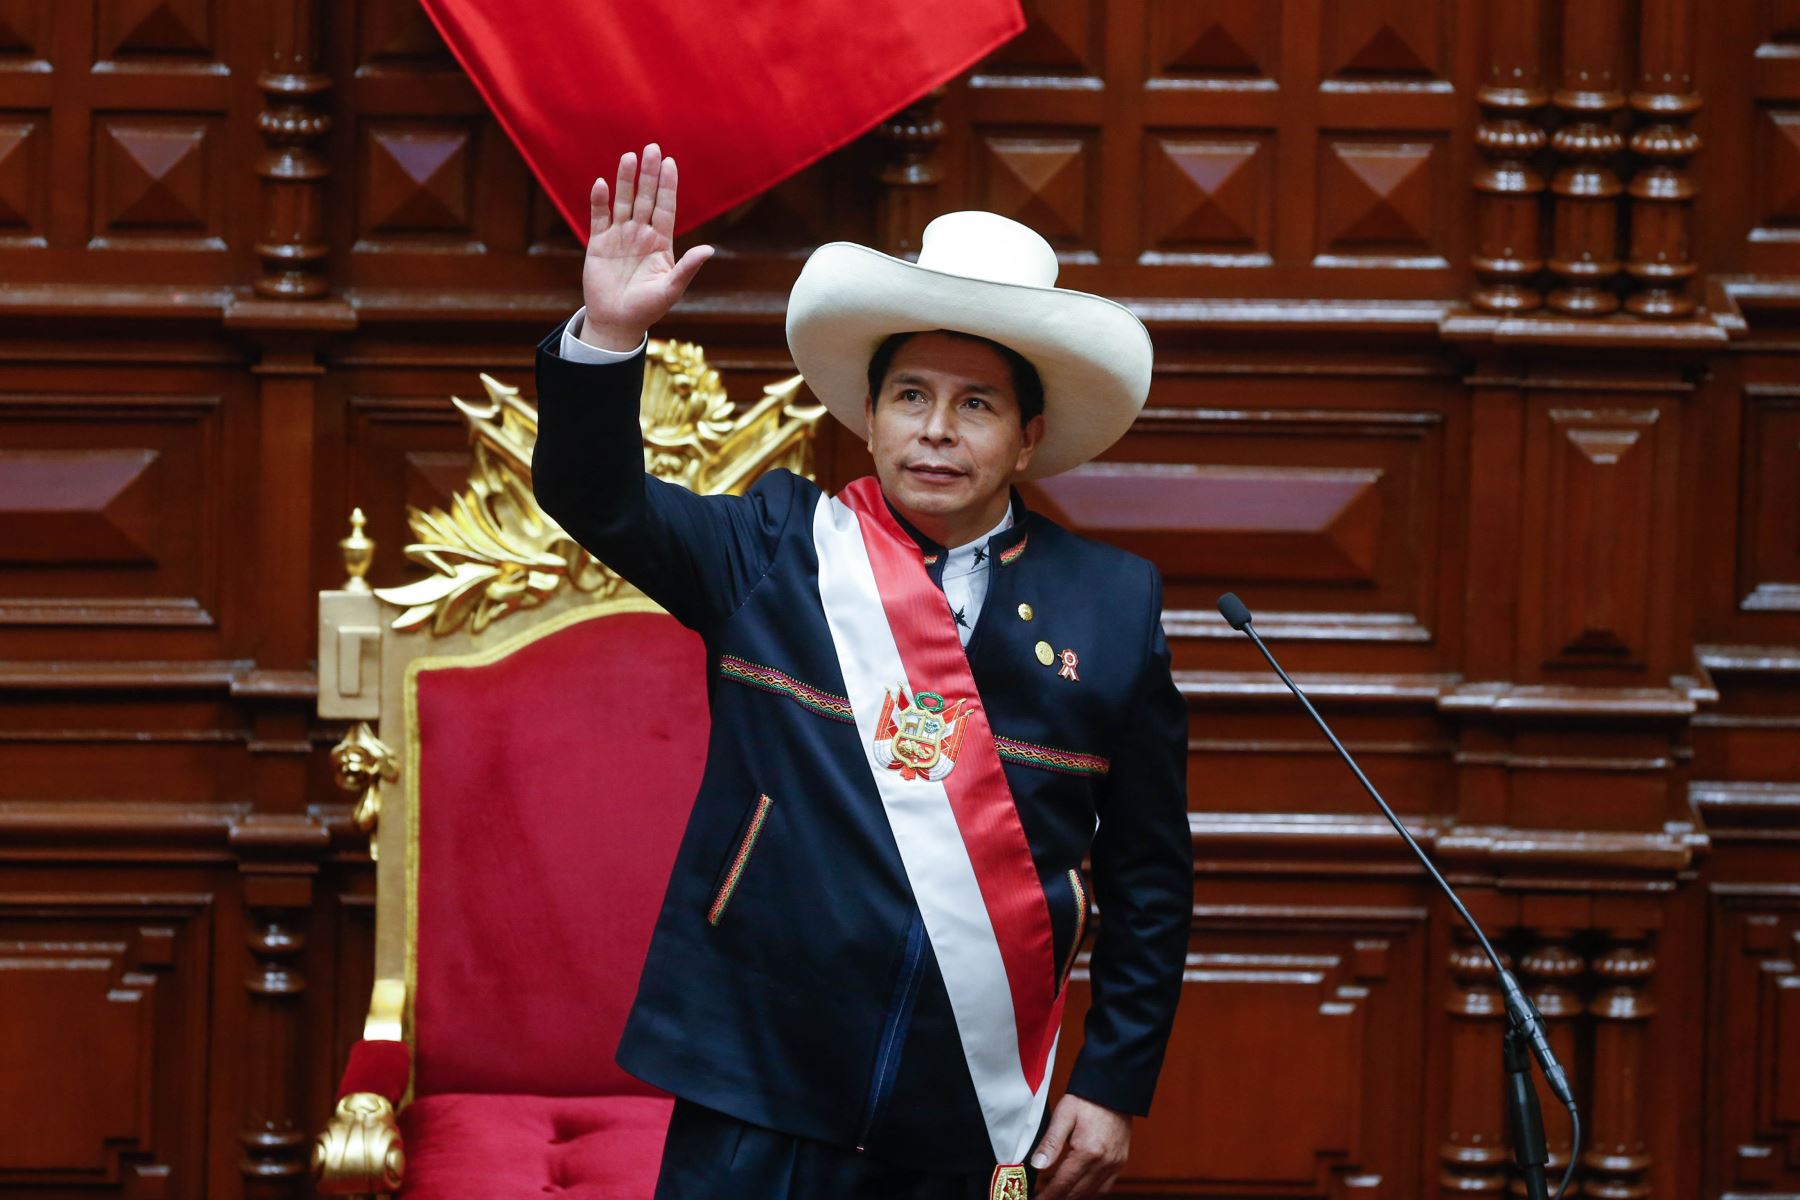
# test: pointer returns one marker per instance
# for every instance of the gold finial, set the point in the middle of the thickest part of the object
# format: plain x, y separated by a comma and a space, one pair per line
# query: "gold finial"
359, 552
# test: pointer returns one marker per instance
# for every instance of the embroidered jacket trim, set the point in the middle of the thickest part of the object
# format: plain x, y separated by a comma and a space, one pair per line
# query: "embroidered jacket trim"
1049, 758
763, 804
782, 684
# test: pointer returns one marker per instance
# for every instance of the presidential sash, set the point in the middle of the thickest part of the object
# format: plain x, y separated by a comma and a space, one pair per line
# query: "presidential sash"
932, 756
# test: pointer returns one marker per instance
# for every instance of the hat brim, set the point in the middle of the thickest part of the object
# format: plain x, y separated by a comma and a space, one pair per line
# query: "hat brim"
1092, 354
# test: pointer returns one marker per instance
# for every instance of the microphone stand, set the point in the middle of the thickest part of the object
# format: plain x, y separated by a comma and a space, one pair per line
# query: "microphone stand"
1525, 1034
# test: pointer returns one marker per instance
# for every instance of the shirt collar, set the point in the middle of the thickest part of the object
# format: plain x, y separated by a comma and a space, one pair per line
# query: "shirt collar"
1008, 532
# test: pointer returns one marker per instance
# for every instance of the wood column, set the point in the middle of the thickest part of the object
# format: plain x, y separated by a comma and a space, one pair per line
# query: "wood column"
277, 864
1474, 1152
1617, 1161
1548, 972
1662, 192
1509, 189
1585, 250
292, 246
909, 174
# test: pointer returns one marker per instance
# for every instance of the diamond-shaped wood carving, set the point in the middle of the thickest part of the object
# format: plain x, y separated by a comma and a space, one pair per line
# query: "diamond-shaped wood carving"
1600, 561
1383, 37
784, 218
1778, 179
549, 233
21, 26
153, 28
1059, 34
1207, 194
1376, 195
21, 156
397, 32
1312, 524
416, 179
151, 176
78, 506
1040, 181
1212, 37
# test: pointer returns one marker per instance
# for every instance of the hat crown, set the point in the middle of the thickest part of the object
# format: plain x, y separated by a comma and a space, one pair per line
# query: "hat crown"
985, 245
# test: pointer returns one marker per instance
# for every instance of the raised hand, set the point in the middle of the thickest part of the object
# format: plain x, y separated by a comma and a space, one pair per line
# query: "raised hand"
630, 278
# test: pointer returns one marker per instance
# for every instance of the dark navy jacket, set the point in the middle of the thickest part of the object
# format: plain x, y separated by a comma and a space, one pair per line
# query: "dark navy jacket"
812, 1002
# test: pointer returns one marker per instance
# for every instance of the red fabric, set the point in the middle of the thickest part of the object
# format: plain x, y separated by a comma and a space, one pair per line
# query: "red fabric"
554, 786
528, 1147
743, 95
979, 794
379, 1067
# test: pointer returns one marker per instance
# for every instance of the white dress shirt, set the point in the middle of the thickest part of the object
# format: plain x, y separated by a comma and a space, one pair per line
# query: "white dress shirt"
965, 567
575, 350
965, 577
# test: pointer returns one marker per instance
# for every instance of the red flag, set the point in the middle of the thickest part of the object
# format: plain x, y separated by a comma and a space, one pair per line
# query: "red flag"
742, 94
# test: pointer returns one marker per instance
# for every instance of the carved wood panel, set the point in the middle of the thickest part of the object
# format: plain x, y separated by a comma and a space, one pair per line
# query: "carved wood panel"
1282, 145
1774, 84
1768, 568
1344, 504
106, 1042
114, 491
129, 180
1288, 1051
1755, 1082
1599, 545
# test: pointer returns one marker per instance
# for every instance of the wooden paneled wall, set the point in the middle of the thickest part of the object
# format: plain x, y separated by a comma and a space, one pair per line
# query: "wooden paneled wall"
1478, 376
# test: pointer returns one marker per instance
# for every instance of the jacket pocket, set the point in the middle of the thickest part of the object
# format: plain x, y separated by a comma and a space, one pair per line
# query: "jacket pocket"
734, 868
1079, 892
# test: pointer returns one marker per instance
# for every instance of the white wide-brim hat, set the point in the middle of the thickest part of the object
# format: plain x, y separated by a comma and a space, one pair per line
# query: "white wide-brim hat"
985, 274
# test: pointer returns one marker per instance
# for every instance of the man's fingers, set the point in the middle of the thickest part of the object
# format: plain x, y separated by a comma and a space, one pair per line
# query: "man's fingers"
1061, 1180
662, 218
645, 201
599, 209
1050, 1146
684, 271
626, 188
1075, 1176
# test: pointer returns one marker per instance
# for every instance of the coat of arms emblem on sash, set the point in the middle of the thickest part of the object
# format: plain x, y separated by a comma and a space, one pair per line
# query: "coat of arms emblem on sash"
918, 735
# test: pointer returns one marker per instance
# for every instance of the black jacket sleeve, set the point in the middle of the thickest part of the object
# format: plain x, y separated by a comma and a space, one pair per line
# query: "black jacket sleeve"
1143, 870
697, 556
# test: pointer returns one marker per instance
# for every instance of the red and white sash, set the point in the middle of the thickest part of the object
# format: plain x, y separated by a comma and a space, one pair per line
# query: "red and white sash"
958, 829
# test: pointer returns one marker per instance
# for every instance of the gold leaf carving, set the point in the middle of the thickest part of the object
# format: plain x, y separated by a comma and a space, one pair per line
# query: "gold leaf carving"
496, 552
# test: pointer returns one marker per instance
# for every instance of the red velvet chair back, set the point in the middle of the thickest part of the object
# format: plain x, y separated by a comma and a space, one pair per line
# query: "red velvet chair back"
553, 786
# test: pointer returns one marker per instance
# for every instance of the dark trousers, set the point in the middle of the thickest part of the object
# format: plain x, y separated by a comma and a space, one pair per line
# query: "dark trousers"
710, 1156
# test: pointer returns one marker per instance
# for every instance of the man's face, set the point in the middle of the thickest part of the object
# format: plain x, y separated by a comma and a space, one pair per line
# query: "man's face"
945, 430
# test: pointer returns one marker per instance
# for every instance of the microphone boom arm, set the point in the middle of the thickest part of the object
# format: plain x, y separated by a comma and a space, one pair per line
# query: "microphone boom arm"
1527, 1022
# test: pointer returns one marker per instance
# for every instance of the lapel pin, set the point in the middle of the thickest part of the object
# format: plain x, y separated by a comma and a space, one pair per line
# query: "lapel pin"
1069, 663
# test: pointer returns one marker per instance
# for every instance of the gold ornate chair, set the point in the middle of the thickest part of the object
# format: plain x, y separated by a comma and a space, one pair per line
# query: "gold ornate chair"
529, 734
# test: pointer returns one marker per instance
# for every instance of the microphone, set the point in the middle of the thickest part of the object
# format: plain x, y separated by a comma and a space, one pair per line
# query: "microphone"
1526, 1024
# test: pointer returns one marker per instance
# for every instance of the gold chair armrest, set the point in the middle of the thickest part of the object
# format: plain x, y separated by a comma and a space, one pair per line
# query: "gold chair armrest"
360, 1152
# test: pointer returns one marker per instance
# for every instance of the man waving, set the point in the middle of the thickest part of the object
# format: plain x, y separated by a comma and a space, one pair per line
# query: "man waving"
930, 706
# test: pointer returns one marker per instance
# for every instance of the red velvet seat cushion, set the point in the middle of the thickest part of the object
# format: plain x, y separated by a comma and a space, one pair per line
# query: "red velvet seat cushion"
474, 1147
554, 786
